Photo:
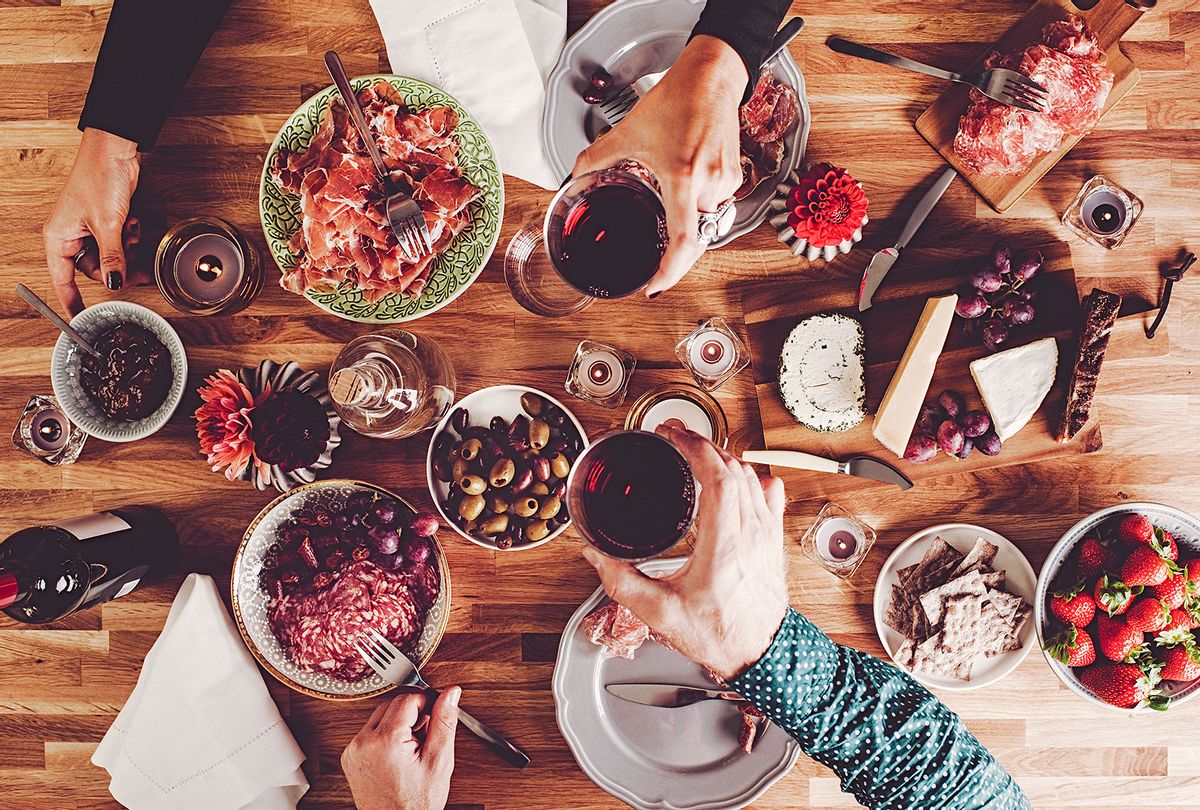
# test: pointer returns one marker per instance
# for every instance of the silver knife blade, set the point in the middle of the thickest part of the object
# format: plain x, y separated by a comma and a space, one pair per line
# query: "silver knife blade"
666, 695
882, 262
876, 470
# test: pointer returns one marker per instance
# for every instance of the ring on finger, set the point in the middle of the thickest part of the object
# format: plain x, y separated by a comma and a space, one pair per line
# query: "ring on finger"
712, 225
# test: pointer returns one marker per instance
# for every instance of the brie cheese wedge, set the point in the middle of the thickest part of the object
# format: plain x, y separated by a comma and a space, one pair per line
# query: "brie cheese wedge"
1014, 382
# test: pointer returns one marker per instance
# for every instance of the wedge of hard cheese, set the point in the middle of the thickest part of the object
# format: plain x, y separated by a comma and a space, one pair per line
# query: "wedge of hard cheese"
901, 403
1013, 383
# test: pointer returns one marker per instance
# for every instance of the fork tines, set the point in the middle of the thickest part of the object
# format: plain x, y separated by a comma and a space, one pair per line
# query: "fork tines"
1023, 89
375, 649
616, 107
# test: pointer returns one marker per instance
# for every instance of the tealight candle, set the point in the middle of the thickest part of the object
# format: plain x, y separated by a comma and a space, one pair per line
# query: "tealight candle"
45, 432
838, 541
205, 266
713, 353
681, 406
600, 373
1102, 213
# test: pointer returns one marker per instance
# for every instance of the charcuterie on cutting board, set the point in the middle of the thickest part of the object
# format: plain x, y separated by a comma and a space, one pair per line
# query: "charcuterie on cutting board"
1002, 151
891, 363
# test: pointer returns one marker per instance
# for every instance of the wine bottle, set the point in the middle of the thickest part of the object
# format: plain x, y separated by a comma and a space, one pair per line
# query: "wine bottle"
50, 572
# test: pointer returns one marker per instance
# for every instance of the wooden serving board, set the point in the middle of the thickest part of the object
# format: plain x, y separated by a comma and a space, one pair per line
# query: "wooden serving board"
772, 310
1109, 19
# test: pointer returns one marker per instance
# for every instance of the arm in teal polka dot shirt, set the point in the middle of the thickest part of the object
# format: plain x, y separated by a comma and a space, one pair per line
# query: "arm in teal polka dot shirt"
892, 743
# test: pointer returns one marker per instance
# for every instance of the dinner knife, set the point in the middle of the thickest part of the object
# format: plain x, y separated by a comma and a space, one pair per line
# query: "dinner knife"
882, 262
861, 466
667, 695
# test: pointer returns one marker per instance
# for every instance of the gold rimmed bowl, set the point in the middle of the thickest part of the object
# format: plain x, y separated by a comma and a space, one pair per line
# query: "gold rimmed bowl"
251, 600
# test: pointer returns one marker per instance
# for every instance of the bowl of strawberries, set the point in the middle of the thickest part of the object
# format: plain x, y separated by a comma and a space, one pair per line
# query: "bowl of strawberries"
1118, 607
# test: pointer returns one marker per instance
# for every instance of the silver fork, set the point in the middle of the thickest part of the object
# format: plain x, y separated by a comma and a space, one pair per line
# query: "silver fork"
617, 107
1001, 84
395, 667
403, 213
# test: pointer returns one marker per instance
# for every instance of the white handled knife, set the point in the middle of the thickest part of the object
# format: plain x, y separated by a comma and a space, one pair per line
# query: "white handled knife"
882, 262
861, 466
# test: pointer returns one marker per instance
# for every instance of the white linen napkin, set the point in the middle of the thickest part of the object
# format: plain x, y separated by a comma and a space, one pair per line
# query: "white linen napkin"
200, 729
491, 55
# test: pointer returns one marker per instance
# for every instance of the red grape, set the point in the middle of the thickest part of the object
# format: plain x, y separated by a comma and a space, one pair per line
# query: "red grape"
989, 444
386, 540
593, 96
951, 403
1002, 257
1018, 313
967, 447
921, 448
601, 79
987, 279
971, 306
929, 418
976, 423
995, 334
950, 437
1028, 265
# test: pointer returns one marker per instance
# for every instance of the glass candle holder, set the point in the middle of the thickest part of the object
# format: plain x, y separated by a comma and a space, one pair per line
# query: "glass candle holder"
683, 406
712, 353
1102, 213
838, 541
600, 373
533, 281
204, 266
45, 432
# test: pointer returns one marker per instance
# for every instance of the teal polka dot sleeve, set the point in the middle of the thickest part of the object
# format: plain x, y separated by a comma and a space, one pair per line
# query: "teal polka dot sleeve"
893, 744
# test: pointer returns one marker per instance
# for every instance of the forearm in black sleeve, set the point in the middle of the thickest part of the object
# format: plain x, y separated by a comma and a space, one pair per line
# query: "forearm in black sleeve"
746, 26
149, 49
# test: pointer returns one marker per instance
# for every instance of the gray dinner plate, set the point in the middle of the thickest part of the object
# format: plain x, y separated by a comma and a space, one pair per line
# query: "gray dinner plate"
651, 758
629, 39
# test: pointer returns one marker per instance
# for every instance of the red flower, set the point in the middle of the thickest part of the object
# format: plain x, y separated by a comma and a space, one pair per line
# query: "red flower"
827, 206
223, 424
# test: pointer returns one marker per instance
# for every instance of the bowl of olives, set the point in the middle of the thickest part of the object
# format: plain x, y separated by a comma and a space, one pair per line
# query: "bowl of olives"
498, 464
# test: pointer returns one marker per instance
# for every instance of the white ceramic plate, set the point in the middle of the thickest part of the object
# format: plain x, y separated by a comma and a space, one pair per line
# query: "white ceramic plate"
250, 600
1186, 530
498, 400
630, 39
651, 758
65, 363
1019, 579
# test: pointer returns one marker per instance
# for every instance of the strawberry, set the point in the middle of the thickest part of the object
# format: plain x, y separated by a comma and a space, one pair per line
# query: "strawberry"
1176, 590
1096, 556
1074, 606
1113, 595
1117, 639
1123, 685
1182, 620
1135, 530
1181, 661
1143, 566
1148, 615
1191, 569
1072, 647
1164, 543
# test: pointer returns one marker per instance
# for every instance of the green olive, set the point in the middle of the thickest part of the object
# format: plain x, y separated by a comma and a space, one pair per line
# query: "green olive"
537, 530
549, 507
498, 504
539, 489
539, 434
472, 484
460, 469
525, 507
496, 524
471, 507
532, 403
559, 466
471, 449
502, 472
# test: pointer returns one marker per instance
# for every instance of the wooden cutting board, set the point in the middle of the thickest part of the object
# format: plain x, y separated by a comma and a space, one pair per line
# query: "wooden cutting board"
772, 310
1109, 19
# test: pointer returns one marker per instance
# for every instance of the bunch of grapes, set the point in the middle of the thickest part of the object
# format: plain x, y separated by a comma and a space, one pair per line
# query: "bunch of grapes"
947, 425
997, 297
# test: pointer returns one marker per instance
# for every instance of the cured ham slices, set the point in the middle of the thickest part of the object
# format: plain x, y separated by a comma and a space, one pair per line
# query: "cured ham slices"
995, 139
765, 120
344, 237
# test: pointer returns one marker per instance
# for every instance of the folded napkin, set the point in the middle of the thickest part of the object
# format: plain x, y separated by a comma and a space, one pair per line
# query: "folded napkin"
200, 729
491, 55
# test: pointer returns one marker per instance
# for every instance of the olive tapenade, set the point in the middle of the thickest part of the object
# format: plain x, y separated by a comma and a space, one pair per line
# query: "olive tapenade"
132, 377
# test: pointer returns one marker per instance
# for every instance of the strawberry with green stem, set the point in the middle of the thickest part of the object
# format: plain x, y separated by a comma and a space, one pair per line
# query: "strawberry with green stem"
1148, 615
1144, 566
1114, 596
1116, 639
1072, 647
1074, 605
1126, 686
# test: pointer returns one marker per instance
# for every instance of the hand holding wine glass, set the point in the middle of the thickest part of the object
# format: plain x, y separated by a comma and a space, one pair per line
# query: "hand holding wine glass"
723, 606
686, 132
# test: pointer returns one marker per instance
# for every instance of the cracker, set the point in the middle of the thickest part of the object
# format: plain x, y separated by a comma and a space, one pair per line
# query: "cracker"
897, 616
979, 558
994, 580
960, 626
968, 585
1007, 604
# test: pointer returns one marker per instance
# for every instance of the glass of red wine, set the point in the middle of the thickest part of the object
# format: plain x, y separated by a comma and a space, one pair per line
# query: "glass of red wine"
632, 495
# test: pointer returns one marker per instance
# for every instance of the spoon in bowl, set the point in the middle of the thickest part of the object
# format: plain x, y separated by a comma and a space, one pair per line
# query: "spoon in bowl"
31, 298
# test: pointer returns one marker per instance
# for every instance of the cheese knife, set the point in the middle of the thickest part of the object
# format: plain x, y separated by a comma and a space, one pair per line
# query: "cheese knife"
861, 466
882, 262
667, 695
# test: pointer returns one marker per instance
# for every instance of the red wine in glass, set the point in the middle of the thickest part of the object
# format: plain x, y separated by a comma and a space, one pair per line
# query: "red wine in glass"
632, 495
609, 240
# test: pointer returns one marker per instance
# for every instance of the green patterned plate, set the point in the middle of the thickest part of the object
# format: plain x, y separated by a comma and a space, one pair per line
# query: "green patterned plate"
453, 270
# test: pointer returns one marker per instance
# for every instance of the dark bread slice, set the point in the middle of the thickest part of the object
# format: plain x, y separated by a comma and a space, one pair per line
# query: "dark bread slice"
1100, 310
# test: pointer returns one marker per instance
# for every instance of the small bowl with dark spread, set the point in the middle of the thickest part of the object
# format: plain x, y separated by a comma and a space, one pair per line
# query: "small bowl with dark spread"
134, 387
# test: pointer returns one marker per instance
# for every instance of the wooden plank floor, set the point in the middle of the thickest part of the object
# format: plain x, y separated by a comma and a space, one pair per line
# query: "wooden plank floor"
61, 686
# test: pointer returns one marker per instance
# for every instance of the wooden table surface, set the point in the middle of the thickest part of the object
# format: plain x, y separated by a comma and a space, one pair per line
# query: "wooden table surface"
61, 686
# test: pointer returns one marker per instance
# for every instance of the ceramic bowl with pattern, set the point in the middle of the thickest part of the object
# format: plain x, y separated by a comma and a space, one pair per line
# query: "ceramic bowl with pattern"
250, 600
1055, 572
453, 270
66, 360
